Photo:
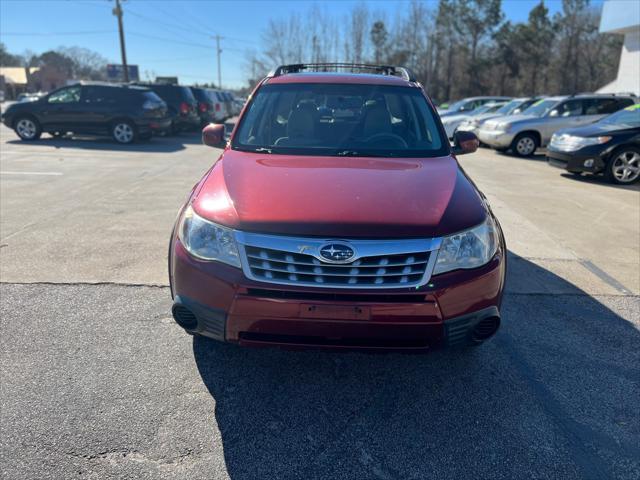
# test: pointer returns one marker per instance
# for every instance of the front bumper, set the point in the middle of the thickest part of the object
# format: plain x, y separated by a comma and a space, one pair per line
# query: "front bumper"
496, 138
575, 161
227, 306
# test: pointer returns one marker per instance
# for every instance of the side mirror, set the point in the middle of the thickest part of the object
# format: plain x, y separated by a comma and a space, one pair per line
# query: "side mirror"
553, 113
213, 135
465, 142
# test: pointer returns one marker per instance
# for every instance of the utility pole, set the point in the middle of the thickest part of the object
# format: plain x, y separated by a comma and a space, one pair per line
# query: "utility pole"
118, 13
219, 51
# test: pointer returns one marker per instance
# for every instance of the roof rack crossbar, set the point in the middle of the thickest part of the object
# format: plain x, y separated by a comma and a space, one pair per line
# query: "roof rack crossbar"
405, 73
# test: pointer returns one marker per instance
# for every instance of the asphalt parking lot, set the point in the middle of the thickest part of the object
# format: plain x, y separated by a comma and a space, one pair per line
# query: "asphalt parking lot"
98, 382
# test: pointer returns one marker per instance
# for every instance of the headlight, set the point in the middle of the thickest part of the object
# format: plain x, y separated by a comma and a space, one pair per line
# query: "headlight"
206, 240
469, 249
571, 143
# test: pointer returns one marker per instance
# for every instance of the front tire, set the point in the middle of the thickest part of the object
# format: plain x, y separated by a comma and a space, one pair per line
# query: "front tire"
28, 129
624, 166
123, 132
525, 145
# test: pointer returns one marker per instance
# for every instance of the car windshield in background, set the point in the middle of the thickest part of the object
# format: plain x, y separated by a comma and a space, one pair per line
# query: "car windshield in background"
507, 108
456, 106
540, 108
627, 117
340, 120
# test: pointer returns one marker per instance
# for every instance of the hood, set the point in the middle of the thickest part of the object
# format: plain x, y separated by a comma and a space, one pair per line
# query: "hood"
447, 113
339, 197
456, 118
598, 129
510, 119
485, 116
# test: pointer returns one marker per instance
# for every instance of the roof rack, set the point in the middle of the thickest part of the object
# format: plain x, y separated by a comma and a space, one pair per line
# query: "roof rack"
403, 72
603, 94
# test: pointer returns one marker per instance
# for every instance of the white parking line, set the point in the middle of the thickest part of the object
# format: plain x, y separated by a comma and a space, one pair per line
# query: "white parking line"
31, 173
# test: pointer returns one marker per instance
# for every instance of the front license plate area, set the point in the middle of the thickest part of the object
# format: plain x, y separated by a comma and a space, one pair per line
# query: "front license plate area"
351, 312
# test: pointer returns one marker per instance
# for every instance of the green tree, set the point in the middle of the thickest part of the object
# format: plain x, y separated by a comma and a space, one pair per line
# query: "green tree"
8, 59
379, 40
536, 40
477, 20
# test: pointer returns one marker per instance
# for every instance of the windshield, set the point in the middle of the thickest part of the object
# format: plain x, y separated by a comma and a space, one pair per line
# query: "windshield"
539, 108
627, 117
507, 108
487, 109
340, 120
457, 105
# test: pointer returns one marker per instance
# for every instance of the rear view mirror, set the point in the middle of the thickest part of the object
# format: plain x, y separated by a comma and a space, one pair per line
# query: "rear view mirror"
465, 142
213, 135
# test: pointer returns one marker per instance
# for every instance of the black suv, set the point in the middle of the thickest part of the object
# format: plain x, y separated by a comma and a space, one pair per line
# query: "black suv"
182, 105
124, 112
206, 106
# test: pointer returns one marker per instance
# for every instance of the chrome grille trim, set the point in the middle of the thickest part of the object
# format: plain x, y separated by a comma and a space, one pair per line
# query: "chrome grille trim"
282, 260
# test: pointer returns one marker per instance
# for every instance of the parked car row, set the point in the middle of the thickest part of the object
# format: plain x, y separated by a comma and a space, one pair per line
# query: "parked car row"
126, 112
522, 125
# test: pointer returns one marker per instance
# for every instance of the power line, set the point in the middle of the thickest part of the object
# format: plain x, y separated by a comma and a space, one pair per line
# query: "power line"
176, 30
52, 34
153, 37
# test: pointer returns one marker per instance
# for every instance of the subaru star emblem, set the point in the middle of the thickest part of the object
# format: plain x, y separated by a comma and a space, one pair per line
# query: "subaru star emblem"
337, 253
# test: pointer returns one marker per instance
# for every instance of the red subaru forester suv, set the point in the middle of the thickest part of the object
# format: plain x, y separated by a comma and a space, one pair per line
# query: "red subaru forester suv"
337, 216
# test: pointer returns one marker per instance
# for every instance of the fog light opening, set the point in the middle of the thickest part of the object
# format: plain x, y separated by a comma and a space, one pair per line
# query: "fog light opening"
485, 328
184, 317
588, 163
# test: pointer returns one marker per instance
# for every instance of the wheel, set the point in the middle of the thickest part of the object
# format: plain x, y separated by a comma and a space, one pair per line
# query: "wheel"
624, 166
525, 145
123, 132
28, 129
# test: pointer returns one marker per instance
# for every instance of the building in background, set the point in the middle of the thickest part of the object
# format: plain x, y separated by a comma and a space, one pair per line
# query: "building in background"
622, 17
17, 80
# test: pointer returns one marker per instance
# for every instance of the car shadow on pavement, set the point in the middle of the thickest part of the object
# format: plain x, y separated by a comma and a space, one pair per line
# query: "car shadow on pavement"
538, 156
156, 144
599, 180
553, 395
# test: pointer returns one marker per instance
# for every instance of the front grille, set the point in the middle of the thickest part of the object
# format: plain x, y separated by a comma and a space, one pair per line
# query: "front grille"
301, 261
388, 270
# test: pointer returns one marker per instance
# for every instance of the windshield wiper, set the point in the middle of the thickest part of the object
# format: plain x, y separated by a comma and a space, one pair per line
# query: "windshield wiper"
349, 153
262, 150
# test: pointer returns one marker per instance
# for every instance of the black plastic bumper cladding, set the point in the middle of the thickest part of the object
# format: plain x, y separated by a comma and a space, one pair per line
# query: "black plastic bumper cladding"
196, 318
461, 331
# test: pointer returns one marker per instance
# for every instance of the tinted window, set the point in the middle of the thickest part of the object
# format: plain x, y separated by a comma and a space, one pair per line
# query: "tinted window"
186, 95
152, 96
303, 119
570, 108
200, 95
99, 95
65, 95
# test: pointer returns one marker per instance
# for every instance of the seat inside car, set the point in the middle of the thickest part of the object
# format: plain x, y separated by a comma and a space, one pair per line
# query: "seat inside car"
301, 125
377, 118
